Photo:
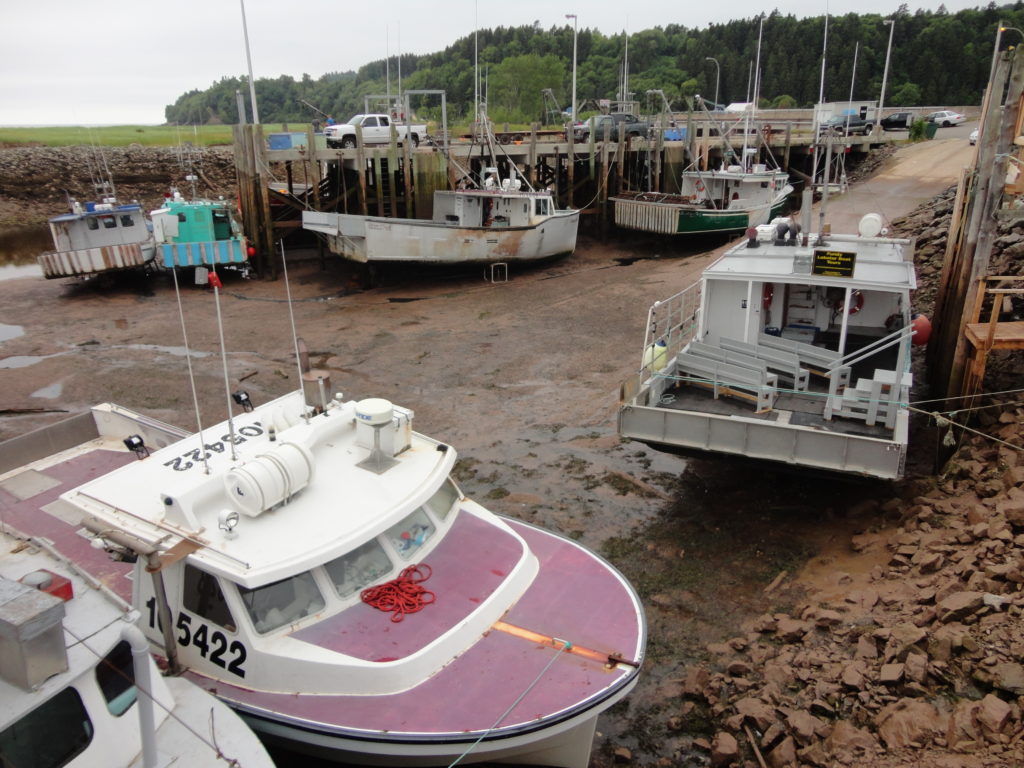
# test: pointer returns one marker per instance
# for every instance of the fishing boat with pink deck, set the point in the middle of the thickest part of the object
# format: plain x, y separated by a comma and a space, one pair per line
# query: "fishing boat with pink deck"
319, 569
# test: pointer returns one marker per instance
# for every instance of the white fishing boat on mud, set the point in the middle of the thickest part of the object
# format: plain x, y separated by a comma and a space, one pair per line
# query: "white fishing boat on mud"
78, 685
500, 222
98, 237
728, 199
325, 577
790, 348
487, 219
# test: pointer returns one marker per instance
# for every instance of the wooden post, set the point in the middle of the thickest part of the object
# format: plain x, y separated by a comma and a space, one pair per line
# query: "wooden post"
571, 170
659, 147
620, 161
378, 177
603, 184
407, 176
531, 174
785, 152
392, 165
314, 162
364, 206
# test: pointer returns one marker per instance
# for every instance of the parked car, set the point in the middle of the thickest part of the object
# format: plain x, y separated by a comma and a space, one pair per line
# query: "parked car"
945, 118
897, 121
618, 122
847, 124
973, 138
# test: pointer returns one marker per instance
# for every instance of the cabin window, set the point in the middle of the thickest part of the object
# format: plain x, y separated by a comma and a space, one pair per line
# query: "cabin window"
283, 602
541, 207
443, 500
115, 676
359, 568
127, 220
182, 218
49, 736
109, 222
412, 533
92, 224
204, 597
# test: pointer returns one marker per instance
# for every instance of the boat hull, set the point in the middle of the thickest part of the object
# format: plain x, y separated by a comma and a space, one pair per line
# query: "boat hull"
676, 219
363, 239
203, 254
566, 744
86, 262
694, 433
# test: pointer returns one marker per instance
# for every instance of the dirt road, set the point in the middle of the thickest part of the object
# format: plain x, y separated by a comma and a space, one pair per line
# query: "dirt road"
521, 377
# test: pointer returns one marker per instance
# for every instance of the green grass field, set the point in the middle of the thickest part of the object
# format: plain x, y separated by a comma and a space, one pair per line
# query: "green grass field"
124, 135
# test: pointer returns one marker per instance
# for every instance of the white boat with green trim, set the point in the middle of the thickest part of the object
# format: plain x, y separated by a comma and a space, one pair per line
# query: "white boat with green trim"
725, 200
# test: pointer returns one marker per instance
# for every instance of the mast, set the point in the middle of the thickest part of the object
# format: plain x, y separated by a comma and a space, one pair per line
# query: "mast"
753, 105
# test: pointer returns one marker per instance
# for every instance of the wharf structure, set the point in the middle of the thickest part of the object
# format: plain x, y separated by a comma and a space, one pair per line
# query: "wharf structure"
396, 180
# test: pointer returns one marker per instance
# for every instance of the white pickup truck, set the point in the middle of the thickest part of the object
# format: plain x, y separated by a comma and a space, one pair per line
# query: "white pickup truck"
376, 130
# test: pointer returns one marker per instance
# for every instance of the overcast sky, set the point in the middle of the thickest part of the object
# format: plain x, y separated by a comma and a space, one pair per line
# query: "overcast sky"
123, 61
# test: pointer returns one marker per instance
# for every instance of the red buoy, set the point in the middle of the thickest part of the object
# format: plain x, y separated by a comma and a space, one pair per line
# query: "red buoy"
922, 329
251, 251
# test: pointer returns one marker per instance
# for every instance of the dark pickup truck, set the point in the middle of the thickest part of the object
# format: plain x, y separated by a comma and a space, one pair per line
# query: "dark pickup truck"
620, 123
847, 124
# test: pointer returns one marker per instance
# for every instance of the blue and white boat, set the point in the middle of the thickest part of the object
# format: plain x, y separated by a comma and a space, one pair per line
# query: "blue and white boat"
94, 238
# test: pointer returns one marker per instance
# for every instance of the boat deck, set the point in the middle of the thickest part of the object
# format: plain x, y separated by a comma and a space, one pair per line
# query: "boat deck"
805, 409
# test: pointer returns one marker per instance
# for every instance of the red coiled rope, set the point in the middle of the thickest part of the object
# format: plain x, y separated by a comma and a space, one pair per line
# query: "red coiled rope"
401, 595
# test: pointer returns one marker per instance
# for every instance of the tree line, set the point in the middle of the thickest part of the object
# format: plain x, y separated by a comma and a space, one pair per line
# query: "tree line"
937, 58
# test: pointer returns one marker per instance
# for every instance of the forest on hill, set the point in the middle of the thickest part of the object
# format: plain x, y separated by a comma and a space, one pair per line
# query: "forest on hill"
937, 58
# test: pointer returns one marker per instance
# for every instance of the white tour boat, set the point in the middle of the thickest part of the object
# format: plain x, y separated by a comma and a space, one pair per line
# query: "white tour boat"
78, 685
790, 348
262, 535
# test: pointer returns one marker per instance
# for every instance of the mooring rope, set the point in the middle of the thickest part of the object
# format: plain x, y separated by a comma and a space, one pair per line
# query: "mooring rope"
403, 594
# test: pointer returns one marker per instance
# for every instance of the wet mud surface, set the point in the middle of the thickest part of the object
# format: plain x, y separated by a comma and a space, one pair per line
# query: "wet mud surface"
521, 377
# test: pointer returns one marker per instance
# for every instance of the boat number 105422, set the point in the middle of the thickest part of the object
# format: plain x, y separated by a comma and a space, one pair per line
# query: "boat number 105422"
212, 644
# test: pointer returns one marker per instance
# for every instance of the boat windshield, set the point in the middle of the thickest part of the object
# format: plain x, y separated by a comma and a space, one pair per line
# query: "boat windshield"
412, 533
283, 602
358, 568
443, 500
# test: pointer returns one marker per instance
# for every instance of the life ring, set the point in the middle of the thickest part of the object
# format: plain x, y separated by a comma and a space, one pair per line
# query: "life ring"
699, 186
767, 294
856, 305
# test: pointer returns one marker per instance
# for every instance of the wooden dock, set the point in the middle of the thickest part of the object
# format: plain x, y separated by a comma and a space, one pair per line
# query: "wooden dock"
394, 180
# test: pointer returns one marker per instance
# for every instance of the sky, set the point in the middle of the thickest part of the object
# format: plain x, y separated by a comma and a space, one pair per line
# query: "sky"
117, 62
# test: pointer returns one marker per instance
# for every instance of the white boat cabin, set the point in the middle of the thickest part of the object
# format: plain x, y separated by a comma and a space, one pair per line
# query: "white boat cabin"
99, 224
492, 208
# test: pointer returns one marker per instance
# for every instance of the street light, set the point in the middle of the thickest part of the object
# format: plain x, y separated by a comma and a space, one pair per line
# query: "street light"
718, 71
885, 72
574, 32
1005, 29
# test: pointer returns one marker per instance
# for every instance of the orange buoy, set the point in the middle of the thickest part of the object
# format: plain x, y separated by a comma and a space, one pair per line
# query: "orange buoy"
922, 329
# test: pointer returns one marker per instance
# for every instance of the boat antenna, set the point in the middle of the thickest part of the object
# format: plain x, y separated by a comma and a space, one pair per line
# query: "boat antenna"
217, 285
191, 374
398, 97
291, 316
476, 60
821, 98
